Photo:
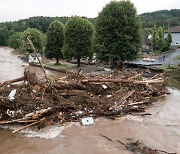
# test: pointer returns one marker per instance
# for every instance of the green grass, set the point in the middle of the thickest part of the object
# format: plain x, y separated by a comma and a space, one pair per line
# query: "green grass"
173, 76
176, 58
68, 67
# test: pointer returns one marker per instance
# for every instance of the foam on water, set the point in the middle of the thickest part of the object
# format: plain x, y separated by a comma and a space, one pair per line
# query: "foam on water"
48, 132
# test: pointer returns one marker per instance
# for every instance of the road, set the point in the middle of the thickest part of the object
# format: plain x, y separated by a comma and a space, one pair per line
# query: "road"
169, 59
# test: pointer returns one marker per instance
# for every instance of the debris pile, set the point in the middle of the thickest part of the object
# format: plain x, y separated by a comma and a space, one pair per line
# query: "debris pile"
76, 96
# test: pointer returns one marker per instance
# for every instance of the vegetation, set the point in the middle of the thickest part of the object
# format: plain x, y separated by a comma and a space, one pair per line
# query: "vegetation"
41, 23
173, 75
54, 42
160, 44
4, 35
78, 37
118, 32
164, 18
36, 37
15, 40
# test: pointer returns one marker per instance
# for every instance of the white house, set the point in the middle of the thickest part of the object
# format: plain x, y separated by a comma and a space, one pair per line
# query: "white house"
175, 32
33, 59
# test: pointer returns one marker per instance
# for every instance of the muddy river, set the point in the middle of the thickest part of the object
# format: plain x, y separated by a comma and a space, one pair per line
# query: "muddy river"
161, 130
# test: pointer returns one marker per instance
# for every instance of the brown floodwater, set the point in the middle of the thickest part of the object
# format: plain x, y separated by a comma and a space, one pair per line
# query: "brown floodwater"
161, 130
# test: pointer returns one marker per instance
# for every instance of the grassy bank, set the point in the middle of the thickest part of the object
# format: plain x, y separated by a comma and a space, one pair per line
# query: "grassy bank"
173, 75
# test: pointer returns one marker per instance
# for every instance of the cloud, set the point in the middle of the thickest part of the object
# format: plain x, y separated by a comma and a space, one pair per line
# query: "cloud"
19, 9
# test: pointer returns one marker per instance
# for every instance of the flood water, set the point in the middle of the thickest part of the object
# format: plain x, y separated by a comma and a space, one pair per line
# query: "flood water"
161, 130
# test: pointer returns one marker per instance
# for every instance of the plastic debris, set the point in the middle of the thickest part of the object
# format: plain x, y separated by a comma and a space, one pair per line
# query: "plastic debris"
12, 94
87, 121
109, 96
104, 86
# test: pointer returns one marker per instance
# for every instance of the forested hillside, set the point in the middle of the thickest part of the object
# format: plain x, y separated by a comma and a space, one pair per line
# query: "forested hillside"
40, 23
161, 18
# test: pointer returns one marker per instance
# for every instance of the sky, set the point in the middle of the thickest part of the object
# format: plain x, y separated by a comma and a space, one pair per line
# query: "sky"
12, 10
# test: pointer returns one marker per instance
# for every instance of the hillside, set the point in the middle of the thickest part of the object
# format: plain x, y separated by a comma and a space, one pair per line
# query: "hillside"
41, 23
161, 18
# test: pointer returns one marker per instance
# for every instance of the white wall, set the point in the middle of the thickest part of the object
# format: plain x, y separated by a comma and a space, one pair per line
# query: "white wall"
175, 38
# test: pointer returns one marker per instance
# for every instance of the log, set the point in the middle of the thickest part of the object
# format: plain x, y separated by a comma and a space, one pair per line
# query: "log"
107, 80
136, 103
122, 99
133, 77
123, 81
29, 125
33, 48
13, 81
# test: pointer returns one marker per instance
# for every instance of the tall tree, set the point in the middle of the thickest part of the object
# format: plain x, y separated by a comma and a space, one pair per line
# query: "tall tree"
55, 38
118, 32
79, 34
161, 40
155, 38
36, 37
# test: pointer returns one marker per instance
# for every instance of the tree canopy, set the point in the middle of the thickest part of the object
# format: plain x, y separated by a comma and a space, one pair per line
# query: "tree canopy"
54, 42
36, 37
4, 35
118, 32
78, 35
15, 40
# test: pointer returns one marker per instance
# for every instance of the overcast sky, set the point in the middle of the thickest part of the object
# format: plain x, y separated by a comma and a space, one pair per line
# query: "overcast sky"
11, 10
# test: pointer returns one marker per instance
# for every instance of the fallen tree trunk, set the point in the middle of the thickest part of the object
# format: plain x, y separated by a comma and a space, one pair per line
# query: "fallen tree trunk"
13, 81
123, 81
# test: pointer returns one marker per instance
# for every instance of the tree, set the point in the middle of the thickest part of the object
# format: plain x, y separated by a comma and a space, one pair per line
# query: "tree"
118, 35
155, 38
78, 35
36, 37
169, 39
4, 35
15, 40
161, 40
55, 38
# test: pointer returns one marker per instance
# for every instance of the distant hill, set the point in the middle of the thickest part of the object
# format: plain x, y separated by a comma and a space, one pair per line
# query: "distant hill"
41, 23
161, 18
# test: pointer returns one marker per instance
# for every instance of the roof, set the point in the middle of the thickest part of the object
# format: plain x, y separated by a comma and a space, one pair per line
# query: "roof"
173, 30
146, 40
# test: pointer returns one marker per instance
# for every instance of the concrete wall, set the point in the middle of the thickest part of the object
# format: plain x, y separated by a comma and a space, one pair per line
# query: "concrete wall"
175, 38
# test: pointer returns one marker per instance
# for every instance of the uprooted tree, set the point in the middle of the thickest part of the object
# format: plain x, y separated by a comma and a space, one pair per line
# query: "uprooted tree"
55, 38
118, 32
78, 35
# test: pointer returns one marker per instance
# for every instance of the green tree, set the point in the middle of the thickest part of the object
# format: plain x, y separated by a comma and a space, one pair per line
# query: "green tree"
161, 40
169, 39
155, 39
36, 37
15, 40
54, 42
78, 35
4, 35
118, 35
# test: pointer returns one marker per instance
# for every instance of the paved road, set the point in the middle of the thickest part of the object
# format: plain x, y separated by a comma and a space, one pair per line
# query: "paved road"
169, 58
